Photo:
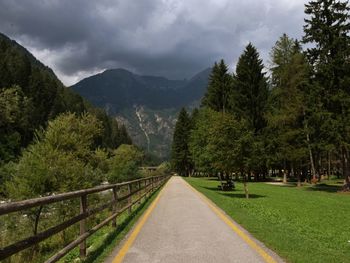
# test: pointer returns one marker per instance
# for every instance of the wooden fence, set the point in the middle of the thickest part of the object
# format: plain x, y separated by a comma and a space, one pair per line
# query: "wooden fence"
136, 190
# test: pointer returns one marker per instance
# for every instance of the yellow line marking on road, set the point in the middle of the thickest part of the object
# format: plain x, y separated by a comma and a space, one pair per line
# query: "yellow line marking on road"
122, 252
235, 228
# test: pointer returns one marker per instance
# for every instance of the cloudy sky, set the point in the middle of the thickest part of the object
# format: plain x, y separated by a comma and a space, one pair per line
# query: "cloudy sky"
171, 38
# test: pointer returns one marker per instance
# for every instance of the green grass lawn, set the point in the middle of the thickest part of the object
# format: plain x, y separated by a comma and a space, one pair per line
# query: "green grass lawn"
307, 224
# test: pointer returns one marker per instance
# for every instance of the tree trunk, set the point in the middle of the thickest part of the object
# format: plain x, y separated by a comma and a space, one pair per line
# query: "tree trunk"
313, 171
329, 165
284, 172
35, 248
245, 186
346, 171
299, 178
320, 168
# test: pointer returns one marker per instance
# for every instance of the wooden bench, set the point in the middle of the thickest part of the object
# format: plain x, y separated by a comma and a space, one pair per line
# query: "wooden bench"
227, 186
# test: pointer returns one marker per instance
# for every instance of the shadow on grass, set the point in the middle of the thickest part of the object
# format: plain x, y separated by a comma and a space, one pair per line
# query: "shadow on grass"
205, 178
212, 188
240, 195
234, 193
324, 188
111, 236
217, 189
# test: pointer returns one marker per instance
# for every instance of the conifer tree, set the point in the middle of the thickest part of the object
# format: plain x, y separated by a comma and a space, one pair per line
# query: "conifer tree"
288, 106
180, 154
327, 28
219, 88
249, 101
250, 89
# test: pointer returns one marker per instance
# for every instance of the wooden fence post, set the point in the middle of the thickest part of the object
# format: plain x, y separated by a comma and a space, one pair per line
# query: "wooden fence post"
130, 198
140, 192
83, 208
114, 207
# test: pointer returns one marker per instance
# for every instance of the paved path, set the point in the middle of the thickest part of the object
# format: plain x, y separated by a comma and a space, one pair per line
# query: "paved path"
184, 227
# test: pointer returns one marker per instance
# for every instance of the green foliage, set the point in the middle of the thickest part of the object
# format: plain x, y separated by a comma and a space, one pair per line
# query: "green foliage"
219, 142
288, 107
14, 122
228, 145
199, 139
124, 164
250, 95
219, 88
31, 95
180, 155
59, 160
327, 27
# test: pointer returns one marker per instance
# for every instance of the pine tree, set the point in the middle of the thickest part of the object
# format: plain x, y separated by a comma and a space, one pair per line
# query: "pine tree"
219, 88
250, 89
327, 28
288, 106
180, 154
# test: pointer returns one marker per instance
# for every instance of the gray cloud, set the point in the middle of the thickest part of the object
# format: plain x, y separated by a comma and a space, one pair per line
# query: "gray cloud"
173, 38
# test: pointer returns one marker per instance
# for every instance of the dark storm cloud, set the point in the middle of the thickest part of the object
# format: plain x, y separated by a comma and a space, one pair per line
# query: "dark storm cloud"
172, 38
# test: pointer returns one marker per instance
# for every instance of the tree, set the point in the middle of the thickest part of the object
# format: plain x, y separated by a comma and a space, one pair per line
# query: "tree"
249, 102
227, 143
199, 140
249, 98
61, 159
327, 28
180, 155
124, 164
219, 88
287, 129
221, 145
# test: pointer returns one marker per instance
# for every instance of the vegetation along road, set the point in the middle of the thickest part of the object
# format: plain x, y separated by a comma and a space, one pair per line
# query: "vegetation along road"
183, 226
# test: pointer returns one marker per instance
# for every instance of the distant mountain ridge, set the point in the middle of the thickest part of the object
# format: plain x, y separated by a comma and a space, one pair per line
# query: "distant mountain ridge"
147, 105
120, 89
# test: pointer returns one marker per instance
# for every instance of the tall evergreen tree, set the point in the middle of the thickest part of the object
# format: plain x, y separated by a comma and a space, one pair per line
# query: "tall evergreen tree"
250, 89
328, 28
288, 106
180, 154
219, 88
249, 101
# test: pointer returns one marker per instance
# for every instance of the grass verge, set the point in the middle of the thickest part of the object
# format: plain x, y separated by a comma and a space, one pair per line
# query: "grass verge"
101, 244
306, 224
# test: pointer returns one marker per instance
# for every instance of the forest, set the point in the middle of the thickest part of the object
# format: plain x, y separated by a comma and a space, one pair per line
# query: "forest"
287, 118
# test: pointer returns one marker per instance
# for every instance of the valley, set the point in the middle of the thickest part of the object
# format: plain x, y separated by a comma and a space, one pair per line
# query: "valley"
147, 105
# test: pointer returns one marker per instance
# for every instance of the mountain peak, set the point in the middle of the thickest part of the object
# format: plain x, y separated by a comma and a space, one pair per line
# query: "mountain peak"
119, 88
147, 105
117, 70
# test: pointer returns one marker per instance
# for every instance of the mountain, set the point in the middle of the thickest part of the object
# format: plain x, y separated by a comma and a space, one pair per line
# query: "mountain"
147, 105
31, 94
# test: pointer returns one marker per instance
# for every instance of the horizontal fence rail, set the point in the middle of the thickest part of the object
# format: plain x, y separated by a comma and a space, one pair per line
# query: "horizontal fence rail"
136, 191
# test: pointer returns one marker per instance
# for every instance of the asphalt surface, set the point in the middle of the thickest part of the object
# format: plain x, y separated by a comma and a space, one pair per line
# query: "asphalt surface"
183, 228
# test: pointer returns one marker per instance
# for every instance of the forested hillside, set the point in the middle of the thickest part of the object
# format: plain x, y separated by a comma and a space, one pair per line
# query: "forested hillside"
31, 97
31, 94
